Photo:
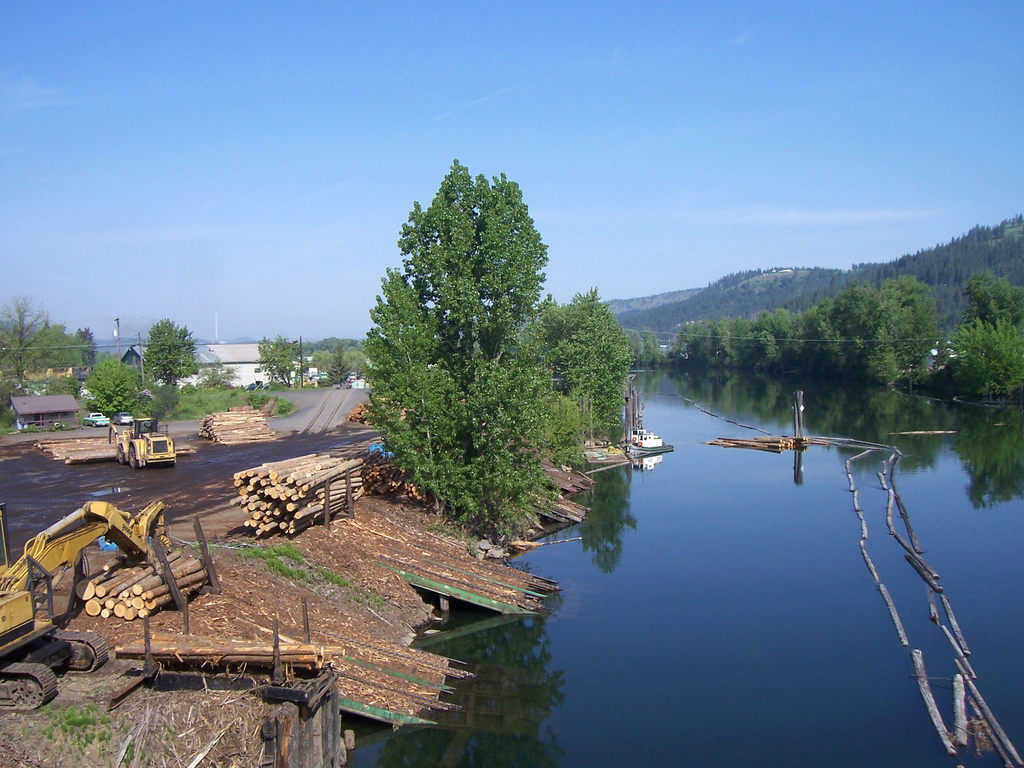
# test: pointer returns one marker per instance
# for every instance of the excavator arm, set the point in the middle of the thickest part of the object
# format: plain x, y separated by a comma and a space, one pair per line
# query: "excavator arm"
60, 545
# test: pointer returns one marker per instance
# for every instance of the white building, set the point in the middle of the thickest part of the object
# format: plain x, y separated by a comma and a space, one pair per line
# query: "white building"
243, 359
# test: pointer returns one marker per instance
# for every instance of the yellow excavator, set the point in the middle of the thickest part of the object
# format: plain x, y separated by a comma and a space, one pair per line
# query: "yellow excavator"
32, 646
144, 444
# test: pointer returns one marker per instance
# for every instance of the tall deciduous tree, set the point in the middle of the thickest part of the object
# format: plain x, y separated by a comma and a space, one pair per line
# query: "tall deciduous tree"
20, 326
113, 386
170, 353
277, 359
989, 357
583, 344
457, 394
990, 299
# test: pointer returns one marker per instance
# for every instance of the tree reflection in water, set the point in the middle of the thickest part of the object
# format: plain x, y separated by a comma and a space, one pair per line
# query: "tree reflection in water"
608, 520
503, 707
990, 444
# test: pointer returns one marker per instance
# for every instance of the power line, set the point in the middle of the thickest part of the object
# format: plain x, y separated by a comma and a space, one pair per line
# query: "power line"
677, 334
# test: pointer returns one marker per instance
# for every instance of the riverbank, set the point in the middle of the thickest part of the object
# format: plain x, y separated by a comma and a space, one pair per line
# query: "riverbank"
336, 572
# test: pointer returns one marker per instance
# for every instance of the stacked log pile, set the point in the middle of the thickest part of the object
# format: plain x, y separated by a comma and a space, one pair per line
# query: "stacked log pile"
83, 450
243, 424
79, 450
288, 496
359, 413
134, 592
772, 444
381, 476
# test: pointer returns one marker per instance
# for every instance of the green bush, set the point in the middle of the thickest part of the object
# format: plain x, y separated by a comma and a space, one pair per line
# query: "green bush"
165, 401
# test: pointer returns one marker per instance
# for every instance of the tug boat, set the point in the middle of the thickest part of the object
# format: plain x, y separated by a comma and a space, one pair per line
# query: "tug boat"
643, 442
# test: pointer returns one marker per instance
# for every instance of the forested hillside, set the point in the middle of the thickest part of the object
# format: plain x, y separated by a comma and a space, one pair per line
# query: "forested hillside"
946, 268
621, 306
743, 294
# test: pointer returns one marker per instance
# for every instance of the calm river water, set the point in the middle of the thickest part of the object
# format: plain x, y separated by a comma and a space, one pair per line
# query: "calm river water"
717, 613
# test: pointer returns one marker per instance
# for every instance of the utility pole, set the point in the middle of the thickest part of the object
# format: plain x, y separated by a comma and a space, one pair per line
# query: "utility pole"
142, 362
117, 335
302, 365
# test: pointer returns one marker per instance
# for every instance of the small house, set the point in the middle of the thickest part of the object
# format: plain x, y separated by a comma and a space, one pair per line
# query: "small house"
44, 411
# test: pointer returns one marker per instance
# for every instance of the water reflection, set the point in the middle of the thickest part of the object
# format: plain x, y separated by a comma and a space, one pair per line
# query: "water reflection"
502, 708
990, 444
647, 463
609, 519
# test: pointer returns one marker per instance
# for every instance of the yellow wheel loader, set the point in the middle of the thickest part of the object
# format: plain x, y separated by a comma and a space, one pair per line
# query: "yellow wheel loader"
144, 444
32, 646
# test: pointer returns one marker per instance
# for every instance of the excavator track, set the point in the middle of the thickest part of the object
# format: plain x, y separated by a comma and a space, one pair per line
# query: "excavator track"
90, 650
25, 686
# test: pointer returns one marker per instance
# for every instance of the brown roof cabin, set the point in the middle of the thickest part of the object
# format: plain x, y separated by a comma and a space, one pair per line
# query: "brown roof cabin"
44, 411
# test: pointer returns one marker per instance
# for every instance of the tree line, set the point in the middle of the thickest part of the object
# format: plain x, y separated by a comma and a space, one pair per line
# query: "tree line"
38, 356
888, 334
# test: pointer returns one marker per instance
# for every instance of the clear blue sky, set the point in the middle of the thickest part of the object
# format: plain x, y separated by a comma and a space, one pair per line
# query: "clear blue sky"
256, 160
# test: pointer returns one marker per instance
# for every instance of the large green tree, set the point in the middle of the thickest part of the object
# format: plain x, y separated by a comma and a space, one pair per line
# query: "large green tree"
170, 352
989, 358
277, 359
113, 386
20, 326
584, 345
458, 395
990, 299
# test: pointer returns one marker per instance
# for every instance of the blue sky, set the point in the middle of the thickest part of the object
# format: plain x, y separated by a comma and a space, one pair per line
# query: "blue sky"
255, 161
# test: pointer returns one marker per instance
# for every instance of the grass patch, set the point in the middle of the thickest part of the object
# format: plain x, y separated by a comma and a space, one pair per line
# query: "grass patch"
195, 403
80, 727
279, 558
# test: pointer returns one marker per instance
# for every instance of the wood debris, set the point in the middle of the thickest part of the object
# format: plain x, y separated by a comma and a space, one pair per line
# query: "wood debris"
243, 424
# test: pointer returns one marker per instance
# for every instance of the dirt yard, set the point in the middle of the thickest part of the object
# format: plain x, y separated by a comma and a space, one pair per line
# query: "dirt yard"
368, 610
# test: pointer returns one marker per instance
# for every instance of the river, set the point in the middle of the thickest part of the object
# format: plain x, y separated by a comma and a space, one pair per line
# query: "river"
718, 611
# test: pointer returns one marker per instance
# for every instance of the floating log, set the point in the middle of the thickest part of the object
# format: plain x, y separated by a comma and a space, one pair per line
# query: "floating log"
893, 614
956, 626
990, 718
868, 562
929, 701
959, 711
923, 573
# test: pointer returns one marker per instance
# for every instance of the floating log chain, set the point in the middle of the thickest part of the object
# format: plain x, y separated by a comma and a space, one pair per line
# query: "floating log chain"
291, 495
135, 591
243, 424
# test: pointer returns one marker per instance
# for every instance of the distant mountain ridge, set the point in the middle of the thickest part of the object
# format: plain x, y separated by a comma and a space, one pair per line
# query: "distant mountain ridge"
946, 268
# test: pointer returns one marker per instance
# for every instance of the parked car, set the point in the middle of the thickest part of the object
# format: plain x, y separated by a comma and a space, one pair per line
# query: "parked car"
96, 420
122, 418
